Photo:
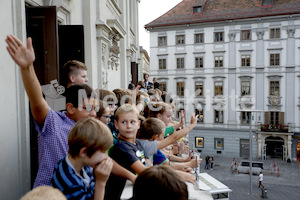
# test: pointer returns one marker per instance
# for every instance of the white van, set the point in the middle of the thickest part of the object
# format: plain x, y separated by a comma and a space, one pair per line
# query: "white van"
243, 167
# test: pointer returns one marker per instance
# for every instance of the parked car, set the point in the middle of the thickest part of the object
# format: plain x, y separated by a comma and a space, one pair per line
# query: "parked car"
244, 167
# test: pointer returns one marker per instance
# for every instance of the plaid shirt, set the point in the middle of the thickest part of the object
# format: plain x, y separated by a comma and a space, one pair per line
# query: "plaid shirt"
52, 144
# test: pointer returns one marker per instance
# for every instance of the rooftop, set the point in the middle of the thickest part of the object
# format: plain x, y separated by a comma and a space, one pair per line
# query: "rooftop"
201, 11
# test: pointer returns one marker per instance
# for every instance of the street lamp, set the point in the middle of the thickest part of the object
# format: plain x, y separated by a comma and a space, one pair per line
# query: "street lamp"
250, 142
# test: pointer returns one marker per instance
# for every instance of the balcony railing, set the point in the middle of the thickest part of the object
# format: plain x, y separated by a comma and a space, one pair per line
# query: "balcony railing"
274, 128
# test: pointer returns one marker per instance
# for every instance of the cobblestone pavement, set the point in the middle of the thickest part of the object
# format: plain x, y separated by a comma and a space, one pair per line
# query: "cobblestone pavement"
286, 186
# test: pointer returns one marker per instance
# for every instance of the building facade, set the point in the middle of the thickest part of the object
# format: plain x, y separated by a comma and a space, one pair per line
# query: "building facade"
101, 33
221, 59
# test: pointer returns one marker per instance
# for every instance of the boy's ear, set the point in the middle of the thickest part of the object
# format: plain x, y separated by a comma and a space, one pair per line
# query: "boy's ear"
72, 78
83, 152
158, 115
116, 124
70, 108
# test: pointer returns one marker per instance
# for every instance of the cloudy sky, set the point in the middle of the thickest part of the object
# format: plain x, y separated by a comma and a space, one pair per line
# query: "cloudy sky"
149, 10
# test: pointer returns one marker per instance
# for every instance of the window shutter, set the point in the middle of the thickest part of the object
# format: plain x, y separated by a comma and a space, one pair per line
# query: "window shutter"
281, 118
267, 117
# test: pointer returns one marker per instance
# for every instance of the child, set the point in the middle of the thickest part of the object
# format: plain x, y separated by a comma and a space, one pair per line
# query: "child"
152, 129
129, 152
53, 127
159, 183
44, 193
88, 141
104, 112
74, 72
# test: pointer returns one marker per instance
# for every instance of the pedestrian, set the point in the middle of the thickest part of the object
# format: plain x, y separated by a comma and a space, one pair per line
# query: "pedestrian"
260, 179
206, 162
211, 163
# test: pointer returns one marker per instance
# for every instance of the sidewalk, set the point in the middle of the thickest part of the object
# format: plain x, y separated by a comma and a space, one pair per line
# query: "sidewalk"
286, 186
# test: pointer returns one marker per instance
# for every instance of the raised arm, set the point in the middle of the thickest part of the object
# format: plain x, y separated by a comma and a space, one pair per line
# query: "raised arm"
24, 57
178, 134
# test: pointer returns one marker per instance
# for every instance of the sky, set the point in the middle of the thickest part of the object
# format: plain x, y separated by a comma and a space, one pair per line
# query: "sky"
149, 10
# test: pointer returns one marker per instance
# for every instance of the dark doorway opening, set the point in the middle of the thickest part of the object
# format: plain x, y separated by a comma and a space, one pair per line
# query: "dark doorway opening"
274, 147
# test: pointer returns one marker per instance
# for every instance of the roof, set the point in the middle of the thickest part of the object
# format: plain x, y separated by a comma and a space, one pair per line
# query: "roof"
221, 10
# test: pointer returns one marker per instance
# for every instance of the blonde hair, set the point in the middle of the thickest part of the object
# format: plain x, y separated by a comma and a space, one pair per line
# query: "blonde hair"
156, 108
44, 192
89, 133
126, 108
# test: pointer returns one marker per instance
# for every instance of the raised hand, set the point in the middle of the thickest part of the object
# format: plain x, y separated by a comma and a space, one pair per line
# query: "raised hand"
182, 119
194, 119
23, 56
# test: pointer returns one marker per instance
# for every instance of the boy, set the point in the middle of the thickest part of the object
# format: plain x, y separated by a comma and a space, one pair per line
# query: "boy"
159, 183
88, 141
153, 129
44, 192
129, 152
74, 72
53, 127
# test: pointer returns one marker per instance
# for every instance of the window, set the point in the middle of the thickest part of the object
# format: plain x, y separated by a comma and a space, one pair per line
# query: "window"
199, 88
218, 61
162, 86
245, 117
274, 88
180, 89
197, 9
274, 118
162, 63
162, 41
180, 63
218, 88
218, 116
180, 39
275, 59
198, 62
246, 61
246, 35
219, 37
245, 88
199, 38
201, 115
274, 33
219, 144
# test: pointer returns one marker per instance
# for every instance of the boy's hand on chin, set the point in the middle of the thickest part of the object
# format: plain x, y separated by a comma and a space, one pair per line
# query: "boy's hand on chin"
103, 169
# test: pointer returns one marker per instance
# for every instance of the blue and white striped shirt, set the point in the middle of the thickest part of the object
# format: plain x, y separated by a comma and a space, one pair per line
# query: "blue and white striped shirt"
70, 183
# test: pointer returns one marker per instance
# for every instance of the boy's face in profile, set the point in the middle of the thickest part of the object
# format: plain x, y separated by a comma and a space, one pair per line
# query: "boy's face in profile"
85, 111
128, 125
96, 158
80, 77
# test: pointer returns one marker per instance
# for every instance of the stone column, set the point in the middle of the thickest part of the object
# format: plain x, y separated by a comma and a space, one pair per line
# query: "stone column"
260, 48
289, 147
290, 49
232, 80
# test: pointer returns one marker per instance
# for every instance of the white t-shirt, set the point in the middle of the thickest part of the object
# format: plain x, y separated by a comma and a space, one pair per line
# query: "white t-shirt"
261, 177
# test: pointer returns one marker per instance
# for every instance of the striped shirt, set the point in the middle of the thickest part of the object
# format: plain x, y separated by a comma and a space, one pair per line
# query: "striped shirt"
52, 144
72, 184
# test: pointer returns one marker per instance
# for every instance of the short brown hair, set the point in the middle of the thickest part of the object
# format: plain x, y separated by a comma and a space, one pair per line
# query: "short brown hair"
71, 67
150, 127
162, 180
123, 95
126, 108
107, 96
44, 192
89, 133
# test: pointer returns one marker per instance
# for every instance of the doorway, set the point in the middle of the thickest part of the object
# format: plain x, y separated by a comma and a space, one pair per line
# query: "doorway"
244, 148
274, 147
